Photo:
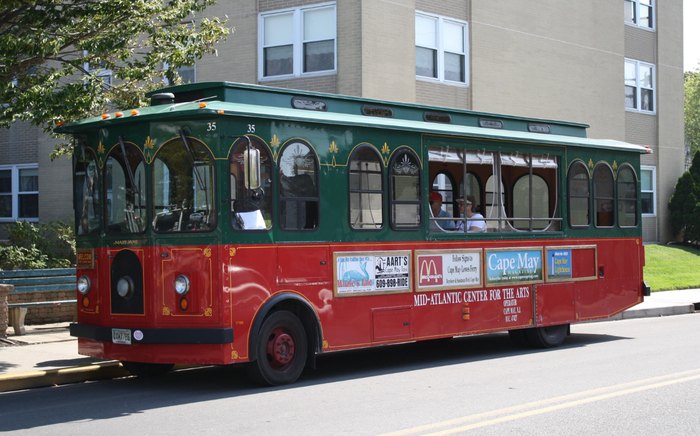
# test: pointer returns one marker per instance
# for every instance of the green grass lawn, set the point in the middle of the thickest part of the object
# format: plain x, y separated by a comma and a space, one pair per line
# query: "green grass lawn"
671, 267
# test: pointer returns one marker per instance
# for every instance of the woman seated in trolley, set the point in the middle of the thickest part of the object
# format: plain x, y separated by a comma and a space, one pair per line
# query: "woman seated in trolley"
475, 221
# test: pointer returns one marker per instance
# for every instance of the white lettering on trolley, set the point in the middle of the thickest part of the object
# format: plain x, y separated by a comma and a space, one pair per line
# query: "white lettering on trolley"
512, 299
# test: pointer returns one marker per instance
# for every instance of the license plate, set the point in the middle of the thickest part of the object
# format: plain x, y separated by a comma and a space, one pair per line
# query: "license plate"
121, 336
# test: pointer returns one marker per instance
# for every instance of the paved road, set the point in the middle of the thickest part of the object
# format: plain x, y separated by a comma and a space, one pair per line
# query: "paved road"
637, 376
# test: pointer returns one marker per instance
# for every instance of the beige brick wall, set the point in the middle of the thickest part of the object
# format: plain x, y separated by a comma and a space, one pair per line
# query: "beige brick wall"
458, 9
534, 59
237, 56
55, 184
640, 44
388, 49
670, 108
18, 144
350, 46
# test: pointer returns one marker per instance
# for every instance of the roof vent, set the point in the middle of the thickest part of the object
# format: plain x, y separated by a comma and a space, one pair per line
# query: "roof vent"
162, 98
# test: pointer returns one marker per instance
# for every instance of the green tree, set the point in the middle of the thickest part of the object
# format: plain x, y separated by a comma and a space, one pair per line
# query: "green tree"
52, 53
685, 204
692, 110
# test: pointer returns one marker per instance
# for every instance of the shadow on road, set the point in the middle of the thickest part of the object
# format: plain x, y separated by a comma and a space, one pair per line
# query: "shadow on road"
131, 395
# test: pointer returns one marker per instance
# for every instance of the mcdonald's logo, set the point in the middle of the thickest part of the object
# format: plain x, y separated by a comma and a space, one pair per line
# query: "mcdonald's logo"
430, 271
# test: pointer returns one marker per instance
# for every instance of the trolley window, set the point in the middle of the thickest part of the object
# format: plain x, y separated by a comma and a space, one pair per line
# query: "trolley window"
579, 195
603, 195
626, 196
298, 187
87, 193
125, 186
183, 187
405, 190
251, 178
366, 189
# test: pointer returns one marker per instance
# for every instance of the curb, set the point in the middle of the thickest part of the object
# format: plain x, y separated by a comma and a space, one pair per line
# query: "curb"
654, 312
52, 377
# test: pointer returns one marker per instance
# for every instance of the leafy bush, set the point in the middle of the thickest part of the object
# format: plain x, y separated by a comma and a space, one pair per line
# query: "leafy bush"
38, 246
685, 204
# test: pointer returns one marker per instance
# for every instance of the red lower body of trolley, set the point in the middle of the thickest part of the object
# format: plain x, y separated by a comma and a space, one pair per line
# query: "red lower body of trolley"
344, 296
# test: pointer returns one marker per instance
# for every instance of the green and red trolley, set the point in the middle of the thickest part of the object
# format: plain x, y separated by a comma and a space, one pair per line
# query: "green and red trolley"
231, 223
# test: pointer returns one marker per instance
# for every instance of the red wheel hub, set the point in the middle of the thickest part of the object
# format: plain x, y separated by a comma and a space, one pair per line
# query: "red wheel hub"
280, 348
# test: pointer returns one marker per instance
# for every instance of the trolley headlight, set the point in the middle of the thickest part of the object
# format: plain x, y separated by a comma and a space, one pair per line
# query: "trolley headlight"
182, 284
83, 285
125, 287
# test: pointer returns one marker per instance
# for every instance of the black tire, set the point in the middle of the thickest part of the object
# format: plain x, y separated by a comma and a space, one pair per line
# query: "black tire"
281, 350
145, 370
547, 337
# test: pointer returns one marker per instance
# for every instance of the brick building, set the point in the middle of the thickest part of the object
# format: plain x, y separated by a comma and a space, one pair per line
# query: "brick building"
615, 65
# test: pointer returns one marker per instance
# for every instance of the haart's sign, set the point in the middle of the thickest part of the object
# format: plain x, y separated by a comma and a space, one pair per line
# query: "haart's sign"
371, 273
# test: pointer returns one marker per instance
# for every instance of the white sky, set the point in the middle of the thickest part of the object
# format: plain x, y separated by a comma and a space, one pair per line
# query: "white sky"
691, 34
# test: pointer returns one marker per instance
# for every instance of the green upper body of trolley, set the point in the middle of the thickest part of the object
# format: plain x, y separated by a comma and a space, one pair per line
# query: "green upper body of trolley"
212, 117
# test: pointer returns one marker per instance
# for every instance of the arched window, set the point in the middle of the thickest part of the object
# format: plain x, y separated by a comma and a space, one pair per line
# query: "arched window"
125, 186
473, 188
183, 187
87, 192
366, 188
603, 195
443, 185
405, 190
579, 195
495, 204
298, 187
523, 194
626, 196
250, 165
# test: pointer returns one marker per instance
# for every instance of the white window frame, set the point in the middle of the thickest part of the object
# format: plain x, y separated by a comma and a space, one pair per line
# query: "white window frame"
440, 20
638, 86
104, 74
636, 4
642, 169
297, 42
166, 82
15, 170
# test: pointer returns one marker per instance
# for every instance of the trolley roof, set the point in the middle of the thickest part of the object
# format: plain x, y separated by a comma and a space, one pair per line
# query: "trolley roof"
253, 101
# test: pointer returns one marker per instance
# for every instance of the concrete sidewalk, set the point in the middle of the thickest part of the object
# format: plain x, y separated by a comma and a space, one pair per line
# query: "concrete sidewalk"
47, 355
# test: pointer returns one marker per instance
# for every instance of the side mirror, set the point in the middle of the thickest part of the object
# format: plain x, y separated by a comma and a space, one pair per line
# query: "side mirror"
251, 168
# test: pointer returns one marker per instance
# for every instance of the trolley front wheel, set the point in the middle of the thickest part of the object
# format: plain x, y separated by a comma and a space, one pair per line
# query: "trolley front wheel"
281, 350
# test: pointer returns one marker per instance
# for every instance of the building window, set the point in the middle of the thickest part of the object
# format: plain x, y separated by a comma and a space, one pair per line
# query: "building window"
99, 70
19, 192
296, 42
441, 48
640, 13
187, 74
648, 182
640, 86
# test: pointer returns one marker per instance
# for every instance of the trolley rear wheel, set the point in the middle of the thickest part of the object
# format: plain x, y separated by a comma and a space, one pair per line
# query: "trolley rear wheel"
547, 337
281, 350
